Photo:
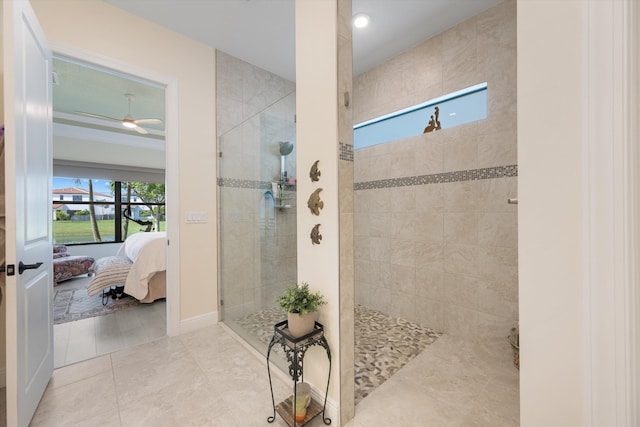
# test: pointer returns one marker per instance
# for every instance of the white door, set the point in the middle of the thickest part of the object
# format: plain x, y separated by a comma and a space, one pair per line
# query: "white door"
27, 173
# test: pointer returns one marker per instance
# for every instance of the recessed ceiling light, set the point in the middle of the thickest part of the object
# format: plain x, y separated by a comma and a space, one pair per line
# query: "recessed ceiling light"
361, 20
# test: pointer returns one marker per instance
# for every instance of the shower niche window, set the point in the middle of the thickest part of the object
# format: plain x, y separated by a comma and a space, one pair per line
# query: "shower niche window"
454, 109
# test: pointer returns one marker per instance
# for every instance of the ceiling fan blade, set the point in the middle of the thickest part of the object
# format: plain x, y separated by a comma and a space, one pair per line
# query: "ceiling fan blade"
147, 121
98, 116
140, 130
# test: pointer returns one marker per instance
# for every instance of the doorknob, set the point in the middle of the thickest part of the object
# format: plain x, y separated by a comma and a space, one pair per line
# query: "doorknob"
22, 266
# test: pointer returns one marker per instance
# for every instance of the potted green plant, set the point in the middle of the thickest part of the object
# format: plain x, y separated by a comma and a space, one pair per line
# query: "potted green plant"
301, 306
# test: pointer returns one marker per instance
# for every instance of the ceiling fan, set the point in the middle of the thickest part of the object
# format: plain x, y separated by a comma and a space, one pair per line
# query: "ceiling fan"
128, 121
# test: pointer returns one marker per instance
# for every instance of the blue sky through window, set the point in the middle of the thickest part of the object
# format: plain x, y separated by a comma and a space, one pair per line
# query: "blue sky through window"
464, 106
99, 185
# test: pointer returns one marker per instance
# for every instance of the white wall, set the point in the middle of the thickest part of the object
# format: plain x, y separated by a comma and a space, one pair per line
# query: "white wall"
95, 251
104, 30
317, 136
550, 212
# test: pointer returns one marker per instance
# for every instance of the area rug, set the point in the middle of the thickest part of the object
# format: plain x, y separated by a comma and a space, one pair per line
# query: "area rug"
71, 302
384, 344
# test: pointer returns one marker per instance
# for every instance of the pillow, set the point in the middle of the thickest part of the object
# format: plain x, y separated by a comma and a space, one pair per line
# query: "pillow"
58, 249
109, 271
57, 255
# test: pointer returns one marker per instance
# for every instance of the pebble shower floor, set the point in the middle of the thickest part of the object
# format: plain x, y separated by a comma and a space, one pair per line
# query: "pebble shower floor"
384, 344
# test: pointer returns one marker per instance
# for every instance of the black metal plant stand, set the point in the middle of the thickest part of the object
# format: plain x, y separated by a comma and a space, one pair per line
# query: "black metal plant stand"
295, 349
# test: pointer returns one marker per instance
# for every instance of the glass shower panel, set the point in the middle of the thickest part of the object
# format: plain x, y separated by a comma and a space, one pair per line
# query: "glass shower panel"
257, 220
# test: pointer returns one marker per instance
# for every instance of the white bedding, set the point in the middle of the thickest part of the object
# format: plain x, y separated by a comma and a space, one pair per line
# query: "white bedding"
148, 252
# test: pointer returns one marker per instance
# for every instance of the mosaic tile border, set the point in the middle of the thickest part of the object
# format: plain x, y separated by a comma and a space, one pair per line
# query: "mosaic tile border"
436, 178
441, 178
250, 184
346, 152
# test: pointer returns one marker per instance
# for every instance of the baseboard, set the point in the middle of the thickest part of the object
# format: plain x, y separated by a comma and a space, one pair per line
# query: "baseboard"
331, 410
198, 322
3, 377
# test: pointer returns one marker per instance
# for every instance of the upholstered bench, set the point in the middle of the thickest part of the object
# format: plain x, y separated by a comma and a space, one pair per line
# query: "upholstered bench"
66, 266
109, 271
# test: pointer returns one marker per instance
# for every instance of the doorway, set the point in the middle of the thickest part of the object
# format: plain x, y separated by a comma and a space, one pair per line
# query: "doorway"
96, 158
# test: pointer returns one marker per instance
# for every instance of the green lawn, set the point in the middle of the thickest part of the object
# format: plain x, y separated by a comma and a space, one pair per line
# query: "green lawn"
65, 232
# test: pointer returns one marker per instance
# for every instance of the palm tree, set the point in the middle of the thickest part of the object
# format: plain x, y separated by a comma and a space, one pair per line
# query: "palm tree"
92, 212
126, 222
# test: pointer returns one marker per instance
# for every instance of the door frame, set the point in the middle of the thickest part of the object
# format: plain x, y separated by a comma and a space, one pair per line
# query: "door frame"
611, 189
171, 166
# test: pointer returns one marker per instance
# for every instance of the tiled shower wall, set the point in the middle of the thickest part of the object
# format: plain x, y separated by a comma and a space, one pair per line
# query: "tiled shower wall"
258, 240
435, 239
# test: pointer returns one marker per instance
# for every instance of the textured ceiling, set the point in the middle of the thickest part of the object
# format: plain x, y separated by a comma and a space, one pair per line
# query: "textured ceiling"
261, 32
79, 87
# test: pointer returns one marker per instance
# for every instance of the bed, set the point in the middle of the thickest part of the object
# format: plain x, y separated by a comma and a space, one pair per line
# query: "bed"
140, 264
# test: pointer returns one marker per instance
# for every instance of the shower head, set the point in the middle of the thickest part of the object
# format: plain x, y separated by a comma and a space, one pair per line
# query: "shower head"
286, 147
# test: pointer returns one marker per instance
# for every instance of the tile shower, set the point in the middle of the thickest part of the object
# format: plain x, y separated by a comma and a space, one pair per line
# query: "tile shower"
258, 239
435, 239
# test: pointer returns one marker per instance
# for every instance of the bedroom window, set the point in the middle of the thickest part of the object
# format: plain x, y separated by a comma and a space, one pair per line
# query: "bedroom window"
86, 211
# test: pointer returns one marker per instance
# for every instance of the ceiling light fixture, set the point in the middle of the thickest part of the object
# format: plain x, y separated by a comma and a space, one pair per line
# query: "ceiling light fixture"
361, 20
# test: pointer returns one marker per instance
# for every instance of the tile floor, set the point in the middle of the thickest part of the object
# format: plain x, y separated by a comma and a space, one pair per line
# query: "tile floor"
87, 338
207, 378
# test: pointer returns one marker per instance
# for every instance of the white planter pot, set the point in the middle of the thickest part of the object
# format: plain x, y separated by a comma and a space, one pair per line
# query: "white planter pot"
300, 325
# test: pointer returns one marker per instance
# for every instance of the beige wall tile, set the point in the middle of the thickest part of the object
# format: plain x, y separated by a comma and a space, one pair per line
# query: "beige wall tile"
461, 259
379, 299
429, 283
403, 279
402, 305
461, 196
403, 199
430, 255
464, 234
403, 252
379, 249
429, 198
498, 229
460, 149
498, 299
380, 224
497, 149
403, 225
429, 228
429, 155
461, 228
361, 226
430, 312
